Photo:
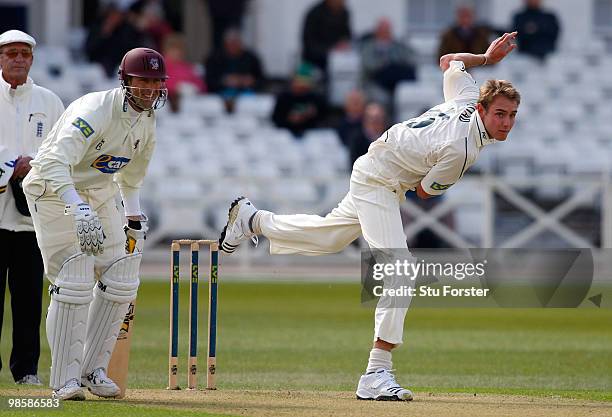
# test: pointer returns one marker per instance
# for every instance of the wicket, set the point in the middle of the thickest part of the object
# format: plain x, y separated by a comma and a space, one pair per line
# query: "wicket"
193, 314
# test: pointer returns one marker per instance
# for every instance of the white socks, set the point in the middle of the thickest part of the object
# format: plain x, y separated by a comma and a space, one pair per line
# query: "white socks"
379, 359
254, 222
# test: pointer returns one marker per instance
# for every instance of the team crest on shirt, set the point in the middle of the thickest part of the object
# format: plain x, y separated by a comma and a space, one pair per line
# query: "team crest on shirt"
83, 126
109, 164
440, 187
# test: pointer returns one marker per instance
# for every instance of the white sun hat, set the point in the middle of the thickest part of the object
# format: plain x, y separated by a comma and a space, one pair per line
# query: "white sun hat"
15, 36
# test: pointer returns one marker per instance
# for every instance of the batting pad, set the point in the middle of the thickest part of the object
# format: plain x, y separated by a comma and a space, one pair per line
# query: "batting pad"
117, 287
67, 317
75, 280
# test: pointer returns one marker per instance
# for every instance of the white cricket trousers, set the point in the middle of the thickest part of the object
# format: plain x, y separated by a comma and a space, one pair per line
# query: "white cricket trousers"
369, 208
56, 232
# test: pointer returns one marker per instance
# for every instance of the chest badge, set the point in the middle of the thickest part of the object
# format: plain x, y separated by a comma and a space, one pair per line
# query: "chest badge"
109, 164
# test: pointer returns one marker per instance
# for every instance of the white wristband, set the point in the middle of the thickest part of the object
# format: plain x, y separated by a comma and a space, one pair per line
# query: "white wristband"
70, 196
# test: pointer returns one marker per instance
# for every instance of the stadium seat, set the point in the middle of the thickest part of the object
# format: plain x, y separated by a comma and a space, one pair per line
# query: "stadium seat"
344, 69
53, 59
259, 106
208, 106
241, 124
295, 190
412, 98
429, 75
89, 76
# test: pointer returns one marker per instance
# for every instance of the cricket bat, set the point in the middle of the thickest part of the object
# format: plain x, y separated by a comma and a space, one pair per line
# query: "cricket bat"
118, 365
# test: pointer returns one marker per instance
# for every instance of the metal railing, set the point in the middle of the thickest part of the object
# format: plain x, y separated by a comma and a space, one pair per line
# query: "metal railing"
202, 215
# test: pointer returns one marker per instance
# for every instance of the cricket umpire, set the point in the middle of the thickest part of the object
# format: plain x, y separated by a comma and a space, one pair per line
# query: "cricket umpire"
27, 114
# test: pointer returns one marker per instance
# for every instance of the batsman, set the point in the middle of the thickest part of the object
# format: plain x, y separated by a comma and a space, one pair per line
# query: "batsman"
103, 140
427, 154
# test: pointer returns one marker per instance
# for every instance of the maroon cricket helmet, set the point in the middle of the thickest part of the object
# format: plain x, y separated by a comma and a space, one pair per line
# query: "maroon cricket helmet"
144, 63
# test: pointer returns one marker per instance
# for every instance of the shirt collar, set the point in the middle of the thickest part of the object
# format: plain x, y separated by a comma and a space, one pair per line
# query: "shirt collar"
478, 131
127, 111
17, 92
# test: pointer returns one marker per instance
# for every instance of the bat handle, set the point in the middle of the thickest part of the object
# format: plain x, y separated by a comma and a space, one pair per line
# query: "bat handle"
134, 245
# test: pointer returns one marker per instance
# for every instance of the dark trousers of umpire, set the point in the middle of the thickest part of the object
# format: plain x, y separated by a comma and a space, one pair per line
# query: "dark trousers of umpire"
22, 266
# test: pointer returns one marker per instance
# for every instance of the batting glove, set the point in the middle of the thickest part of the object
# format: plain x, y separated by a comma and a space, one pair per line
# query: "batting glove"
135, 234
88, 227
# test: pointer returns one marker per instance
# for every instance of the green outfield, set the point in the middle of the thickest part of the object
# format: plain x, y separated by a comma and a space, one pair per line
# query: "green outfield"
316, 337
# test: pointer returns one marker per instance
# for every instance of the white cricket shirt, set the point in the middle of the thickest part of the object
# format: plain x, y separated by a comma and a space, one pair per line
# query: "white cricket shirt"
436, 148
98, 139
27, 114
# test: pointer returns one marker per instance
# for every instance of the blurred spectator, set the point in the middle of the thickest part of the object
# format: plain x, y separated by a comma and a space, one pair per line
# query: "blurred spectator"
151, 20
465, 35
233, 70
300, 107
179, 70
354, 106
114, 34
538, 30
374, 124
385, 62
225, 14
173, 12
326, 27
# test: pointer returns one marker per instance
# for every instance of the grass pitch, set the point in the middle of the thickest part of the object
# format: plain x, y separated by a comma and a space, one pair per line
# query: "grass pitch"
293, 337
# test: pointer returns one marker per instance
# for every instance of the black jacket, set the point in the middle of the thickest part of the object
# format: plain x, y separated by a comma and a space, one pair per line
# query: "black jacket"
287, 103
537, 32
219, 65
322, 30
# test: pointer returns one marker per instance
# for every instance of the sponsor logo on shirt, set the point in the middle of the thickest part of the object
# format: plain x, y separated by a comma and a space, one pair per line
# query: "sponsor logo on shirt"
440, 187
109, 164
2, 188
466, 114
83, 126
